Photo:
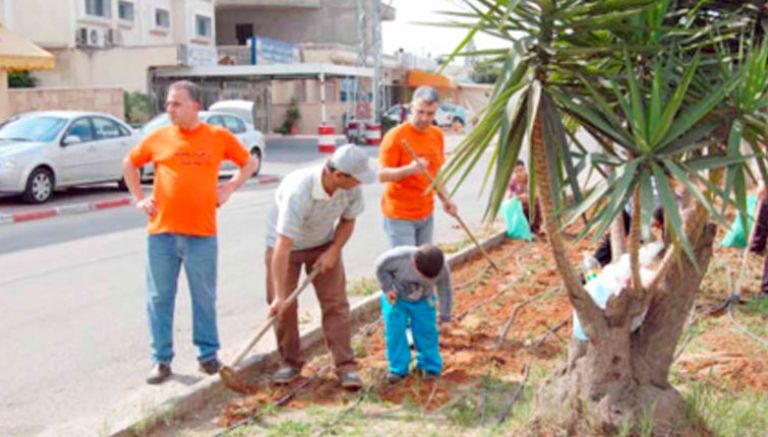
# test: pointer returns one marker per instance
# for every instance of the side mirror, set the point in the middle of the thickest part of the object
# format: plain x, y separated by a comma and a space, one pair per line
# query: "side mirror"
71, 139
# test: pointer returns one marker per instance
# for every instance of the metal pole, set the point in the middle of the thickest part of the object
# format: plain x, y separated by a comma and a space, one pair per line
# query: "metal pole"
376, 24
322, 98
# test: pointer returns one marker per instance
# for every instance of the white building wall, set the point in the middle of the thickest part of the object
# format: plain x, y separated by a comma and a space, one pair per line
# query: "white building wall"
138, 44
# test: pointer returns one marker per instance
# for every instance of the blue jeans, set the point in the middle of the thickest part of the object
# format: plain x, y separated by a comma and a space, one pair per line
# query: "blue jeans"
409, 232
423, 319
165, 255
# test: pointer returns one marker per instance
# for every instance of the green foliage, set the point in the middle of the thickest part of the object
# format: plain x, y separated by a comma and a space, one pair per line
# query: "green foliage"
138, 108
292, 116
663, 90
724, 413
21, 79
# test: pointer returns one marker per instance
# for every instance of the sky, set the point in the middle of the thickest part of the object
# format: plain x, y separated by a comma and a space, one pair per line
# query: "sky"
424, 40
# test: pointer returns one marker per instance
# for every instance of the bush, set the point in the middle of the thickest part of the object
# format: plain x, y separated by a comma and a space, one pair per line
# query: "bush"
138, 108
21, 79
292, 115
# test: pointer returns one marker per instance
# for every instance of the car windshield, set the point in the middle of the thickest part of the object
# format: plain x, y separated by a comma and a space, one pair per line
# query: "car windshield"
32, 128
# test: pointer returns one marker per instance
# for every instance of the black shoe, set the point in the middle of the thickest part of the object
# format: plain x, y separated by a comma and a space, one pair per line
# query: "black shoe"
285, 375
160, 372
210, 367
350, 380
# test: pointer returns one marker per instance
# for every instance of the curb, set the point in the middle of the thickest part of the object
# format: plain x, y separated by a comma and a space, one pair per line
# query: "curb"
79, 208
197, 396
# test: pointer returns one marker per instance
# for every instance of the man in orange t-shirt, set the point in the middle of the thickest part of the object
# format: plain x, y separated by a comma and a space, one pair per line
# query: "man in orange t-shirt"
182, 221
408, 202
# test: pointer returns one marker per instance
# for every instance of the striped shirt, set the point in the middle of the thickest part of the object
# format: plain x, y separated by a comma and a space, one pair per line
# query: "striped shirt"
304, 212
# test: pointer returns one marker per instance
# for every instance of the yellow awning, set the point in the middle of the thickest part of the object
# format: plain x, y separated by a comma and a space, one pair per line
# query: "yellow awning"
17, 53
417, 78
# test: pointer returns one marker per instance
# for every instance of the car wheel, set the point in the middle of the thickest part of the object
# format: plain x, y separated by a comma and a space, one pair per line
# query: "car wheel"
256, 153
39, 187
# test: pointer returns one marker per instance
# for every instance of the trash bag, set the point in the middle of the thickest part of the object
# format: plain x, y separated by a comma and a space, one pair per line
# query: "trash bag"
515, 220
736, 236
612, 280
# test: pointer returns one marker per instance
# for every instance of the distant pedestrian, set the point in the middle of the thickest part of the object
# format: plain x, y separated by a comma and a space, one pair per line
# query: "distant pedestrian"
182, 221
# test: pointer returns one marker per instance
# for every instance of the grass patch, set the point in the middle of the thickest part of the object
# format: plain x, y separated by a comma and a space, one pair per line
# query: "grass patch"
290, 428
365, 286
725, 413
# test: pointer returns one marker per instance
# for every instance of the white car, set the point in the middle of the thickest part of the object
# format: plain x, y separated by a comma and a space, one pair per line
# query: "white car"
45, 150
251, 139
446, 115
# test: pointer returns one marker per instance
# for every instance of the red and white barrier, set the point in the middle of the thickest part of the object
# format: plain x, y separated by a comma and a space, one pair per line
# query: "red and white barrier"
326, 141
353, 129
373, 134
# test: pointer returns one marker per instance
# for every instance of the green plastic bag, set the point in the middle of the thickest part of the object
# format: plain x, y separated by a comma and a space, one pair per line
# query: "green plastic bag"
736, 237
514, 219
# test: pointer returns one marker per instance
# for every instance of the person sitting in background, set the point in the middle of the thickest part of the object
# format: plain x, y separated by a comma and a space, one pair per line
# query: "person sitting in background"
518, 188
760, 236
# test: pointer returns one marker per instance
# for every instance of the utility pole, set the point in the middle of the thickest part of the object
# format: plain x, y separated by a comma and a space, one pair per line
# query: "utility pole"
377, 88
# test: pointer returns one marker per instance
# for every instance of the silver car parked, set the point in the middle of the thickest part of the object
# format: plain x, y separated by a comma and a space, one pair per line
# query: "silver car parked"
45, 150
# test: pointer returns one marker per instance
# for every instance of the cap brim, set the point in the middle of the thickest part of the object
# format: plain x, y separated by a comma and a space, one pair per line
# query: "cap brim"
366, 177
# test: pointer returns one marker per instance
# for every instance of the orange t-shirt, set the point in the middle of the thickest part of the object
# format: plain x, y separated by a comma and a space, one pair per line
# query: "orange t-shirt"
408, 198
186, 175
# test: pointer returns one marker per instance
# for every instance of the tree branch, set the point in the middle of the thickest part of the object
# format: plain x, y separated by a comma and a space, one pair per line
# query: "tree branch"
589, 313
634, 244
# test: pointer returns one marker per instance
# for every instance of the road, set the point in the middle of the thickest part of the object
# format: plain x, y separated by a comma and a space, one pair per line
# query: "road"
72, 308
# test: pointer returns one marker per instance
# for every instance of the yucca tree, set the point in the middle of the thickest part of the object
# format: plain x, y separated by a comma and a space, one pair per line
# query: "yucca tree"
668, 91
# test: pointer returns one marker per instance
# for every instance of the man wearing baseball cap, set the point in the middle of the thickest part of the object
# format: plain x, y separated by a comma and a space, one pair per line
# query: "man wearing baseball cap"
312, 218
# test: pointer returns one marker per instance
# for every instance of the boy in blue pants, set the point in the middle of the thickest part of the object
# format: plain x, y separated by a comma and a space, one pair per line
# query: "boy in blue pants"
408, 276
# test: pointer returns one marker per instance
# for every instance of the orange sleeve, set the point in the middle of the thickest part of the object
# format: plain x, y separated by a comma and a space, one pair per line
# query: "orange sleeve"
233, 150
389, 152
441, 153
141, 154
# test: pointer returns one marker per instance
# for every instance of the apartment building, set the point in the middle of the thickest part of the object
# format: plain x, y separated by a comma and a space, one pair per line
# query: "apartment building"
108, 43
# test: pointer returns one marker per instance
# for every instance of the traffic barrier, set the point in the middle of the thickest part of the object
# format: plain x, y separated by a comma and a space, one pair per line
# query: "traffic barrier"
373, 134
326, 140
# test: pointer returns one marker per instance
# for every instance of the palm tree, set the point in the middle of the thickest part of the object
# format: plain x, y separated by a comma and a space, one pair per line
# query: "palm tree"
669, 91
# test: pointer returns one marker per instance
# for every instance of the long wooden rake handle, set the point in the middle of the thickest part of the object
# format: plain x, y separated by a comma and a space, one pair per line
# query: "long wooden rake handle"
444, 200
271, 320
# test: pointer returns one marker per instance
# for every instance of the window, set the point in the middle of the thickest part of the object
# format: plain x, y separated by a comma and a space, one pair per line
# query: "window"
216, 121
106, 128
125, 10
203, 26
82, 129
235, 125
99, 8
162, 18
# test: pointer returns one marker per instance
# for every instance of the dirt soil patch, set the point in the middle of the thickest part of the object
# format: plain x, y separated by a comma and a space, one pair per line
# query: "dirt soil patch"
482, 370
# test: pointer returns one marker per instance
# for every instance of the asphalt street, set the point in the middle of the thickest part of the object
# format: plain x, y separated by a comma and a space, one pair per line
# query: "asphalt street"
72, 309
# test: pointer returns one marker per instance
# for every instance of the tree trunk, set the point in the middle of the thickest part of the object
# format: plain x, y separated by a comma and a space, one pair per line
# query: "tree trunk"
620, 377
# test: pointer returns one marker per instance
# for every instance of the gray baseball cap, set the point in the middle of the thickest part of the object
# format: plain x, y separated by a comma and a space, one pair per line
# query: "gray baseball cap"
353, 161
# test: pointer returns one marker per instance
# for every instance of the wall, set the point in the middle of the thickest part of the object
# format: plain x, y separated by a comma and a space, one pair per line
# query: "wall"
54, 28
97, 68
334, 22
108, 100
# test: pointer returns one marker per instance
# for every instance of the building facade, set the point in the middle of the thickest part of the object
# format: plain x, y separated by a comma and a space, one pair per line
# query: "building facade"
108, 43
